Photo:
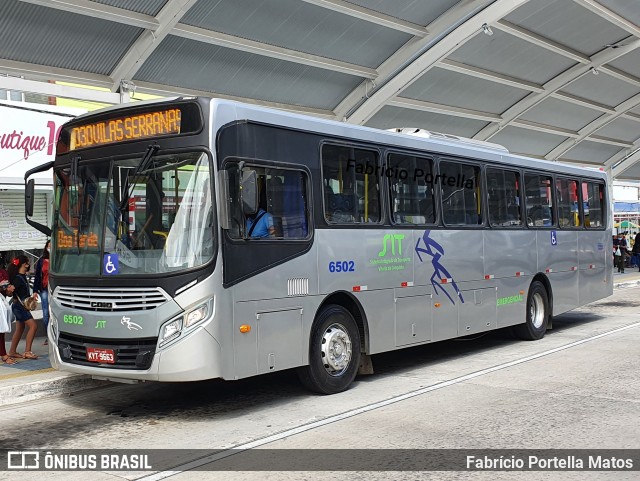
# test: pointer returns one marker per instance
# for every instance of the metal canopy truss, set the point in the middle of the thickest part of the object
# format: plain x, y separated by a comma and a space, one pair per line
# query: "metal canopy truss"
554, 79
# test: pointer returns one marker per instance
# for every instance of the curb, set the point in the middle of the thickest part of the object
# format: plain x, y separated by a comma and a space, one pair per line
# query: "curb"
61, 383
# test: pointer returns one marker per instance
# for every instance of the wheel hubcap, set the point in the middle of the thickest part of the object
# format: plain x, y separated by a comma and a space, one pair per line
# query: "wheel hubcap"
336, 349
536, 311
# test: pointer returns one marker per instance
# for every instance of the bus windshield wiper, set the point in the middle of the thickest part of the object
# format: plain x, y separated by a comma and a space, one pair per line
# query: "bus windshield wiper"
144, 163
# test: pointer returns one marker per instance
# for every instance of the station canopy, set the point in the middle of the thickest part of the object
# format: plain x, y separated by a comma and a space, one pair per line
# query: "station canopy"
551, 79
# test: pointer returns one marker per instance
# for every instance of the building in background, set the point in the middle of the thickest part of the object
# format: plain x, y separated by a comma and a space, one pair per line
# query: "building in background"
28, 133
29, 126
626, 207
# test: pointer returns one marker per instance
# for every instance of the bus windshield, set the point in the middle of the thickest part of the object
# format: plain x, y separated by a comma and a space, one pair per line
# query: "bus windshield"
134, 216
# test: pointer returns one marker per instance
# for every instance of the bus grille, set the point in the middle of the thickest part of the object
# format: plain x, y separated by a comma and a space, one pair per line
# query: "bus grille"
110, 299
129, 353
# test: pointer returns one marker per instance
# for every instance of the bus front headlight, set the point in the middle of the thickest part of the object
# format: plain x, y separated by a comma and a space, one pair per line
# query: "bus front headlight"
196, 315
171, 330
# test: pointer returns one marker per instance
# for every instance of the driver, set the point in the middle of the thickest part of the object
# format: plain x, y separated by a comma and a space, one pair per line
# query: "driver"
260, 225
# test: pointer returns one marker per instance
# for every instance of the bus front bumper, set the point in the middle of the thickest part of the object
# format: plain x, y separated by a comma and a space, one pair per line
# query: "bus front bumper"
195, 357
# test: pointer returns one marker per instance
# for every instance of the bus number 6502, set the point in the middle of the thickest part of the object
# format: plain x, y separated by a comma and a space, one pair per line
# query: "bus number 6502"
342, 266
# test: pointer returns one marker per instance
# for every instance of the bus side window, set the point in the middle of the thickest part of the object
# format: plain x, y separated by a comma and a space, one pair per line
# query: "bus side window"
504, 197
568, 204
460, 188
351, 184
593, 204
539, 200
412, 196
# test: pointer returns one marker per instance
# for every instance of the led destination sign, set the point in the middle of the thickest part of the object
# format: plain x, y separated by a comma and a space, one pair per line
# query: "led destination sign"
132, 127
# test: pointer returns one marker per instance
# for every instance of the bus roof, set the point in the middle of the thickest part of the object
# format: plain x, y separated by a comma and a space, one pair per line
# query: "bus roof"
225, 111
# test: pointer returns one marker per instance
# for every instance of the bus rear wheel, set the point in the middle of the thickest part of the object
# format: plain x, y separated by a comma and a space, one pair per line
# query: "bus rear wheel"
334, 352
537, 314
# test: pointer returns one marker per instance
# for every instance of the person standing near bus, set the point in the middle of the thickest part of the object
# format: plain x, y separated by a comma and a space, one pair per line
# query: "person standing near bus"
619, 249
636, 250
4, 275
41, 286
17, 276
6, 290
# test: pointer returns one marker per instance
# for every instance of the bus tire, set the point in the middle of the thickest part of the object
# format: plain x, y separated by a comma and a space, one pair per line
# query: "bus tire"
537, 314
334, 352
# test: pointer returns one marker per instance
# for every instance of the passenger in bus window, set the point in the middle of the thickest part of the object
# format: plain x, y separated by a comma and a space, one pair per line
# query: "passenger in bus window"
260, 225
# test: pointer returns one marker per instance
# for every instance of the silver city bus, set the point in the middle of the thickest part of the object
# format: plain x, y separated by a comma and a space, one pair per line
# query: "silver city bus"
202, 238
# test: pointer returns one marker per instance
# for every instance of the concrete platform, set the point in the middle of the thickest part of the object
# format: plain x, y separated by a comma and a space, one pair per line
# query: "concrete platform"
33, 379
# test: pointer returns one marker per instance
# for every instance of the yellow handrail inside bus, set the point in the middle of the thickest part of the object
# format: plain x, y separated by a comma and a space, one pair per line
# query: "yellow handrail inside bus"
366, 197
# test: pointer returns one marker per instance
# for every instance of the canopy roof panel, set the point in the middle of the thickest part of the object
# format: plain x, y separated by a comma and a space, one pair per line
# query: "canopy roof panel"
556, 79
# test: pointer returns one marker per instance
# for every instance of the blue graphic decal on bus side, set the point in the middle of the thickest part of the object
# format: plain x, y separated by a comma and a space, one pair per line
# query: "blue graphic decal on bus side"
439, 271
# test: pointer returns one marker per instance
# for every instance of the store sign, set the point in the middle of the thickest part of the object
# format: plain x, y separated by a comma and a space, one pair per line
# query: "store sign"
28, 135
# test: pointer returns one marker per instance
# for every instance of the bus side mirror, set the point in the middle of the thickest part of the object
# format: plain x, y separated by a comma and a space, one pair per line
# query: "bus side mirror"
249, 192
29, 196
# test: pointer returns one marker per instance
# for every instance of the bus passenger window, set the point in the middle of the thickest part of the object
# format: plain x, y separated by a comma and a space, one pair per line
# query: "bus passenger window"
351, 184
538, 200
411, 189
568, 203
593, 205
503, 189
460, 188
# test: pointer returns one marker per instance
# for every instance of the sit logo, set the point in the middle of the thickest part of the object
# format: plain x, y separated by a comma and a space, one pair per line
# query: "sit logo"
391, 239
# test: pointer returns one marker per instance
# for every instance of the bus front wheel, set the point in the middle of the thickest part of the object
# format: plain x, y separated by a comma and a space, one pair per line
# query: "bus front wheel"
537, 314
334, 352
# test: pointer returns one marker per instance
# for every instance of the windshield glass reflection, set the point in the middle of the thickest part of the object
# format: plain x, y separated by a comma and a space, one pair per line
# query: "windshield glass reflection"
128, 217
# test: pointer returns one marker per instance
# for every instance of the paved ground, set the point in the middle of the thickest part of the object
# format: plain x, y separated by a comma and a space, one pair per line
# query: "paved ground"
576, 388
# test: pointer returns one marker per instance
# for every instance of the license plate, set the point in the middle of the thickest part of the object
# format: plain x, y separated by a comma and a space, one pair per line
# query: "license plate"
96, 354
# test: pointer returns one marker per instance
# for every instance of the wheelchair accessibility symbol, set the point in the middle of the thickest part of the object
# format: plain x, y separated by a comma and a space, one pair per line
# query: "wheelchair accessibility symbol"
554, 239
110, 264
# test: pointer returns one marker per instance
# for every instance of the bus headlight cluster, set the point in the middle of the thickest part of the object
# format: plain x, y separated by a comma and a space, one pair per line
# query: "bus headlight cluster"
196, 315
172, 329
